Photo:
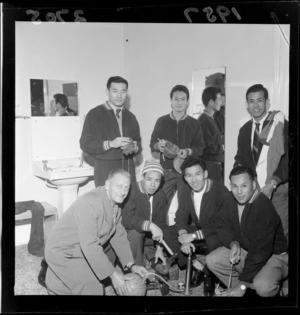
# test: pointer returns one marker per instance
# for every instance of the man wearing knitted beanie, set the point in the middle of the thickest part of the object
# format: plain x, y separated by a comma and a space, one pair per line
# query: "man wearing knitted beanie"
144, 217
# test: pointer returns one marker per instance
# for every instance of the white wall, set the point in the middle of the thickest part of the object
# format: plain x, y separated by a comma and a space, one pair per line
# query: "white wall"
167, 54
84, 52
154, 58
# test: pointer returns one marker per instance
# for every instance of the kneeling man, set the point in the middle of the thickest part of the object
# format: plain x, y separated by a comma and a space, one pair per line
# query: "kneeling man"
254, 252
144, 216
80, 248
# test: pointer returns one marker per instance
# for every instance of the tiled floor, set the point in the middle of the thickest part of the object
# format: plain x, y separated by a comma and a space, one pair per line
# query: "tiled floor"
28, 266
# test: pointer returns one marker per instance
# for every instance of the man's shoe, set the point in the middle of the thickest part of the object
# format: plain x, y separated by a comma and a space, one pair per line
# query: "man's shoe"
209, 286
42, 273
197, 278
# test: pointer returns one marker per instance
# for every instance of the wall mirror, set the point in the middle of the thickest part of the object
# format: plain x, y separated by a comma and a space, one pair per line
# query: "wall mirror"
54, 98
202, 79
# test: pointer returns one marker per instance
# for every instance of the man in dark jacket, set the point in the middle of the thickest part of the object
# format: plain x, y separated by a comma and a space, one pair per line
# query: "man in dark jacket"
144, 216
254, 252
108, 130
181, 130
195, 229
213, 154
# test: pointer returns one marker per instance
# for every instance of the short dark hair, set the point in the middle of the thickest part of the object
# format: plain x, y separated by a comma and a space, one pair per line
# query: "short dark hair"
257, 88
180, 88
116, 79
240, 169
191, 161
62, 99
210, 93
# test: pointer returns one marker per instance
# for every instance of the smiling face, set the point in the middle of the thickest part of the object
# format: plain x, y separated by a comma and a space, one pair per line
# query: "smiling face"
117, 93
242, 187
195, 177
179, 102
117, 187
151, 182
257, 104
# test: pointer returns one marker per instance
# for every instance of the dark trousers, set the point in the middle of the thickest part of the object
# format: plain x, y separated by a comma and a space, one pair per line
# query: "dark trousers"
142, 246
171, 238
215, 171
173, 182
103, 167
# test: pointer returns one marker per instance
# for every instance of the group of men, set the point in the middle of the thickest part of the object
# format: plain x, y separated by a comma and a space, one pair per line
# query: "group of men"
242, 234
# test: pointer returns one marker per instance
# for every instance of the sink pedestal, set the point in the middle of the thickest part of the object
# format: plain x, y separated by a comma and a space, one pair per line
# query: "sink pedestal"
67, 192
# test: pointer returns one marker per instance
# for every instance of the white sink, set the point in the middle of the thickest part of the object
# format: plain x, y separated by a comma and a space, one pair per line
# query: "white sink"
66, 175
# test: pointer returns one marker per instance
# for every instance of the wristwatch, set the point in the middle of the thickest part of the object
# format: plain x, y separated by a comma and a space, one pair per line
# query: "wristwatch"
243, 287
194, 236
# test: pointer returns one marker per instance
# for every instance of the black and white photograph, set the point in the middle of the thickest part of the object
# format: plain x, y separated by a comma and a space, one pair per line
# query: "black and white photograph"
150, 153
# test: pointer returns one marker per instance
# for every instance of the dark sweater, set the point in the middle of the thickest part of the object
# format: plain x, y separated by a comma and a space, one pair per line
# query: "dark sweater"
212, 202
185, 133
213, 140
260, 232
100, 125
136, 209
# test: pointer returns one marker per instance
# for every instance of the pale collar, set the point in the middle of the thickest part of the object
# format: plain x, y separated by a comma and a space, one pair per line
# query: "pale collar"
112, 106
261, 122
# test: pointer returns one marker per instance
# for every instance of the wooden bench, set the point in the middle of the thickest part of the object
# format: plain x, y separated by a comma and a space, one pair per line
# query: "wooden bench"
50, 218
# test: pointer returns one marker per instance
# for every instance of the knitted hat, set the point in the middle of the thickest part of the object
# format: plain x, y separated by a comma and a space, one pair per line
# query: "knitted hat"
152, 166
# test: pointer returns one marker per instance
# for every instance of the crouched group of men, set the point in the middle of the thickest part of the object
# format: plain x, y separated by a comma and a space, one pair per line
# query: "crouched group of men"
239, 232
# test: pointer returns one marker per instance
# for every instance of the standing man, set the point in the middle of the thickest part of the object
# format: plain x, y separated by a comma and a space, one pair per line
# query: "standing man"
213, 154
263, 146
180, 132
144, 217
80, 248
195, 228
111, 133
254, 252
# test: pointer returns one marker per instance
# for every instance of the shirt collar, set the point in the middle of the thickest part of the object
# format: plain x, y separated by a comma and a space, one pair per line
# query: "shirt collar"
261, 121
182, 118
110, 106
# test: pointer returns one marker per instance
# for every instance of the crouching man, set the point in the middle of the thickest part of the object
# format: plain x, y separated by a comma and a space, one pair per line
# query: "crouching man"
254, 252
80, 248
195, 231
144, 216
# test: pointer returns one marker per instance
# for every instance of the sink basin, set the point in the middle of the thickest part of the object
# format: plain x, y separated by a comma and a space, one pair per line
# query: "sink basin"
60, 172
66, 175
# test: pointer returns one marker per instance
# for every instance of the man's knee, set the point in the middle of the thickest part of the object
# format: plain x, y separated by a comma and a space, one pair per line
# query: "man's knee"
134, 236
212, 259
265, 288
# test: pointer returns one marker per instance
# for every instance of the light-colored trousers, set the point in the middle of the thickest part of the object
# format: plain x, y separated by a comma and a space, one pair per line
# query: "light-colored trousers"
267, 281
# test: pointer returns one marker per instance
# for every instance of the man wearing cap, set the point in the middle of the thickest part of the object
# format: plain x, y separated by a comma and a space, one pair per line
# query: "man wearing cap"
182, 131
195, 229
144, 217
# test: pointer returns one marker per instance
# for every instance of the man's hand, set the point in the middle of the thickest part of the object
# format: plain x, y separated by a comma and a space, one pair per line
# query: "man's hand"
187, 248
157, 233
161, 144
236, 291
159, 254
118, 281
183, 153
268, 190
185, 238
119, 142
235, 253
140, 270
